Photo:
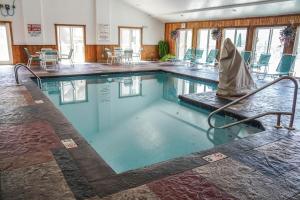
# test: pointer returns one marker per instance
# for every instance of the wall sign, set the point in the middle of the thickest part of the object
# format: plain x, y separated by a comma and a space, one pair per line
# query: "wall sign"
34, 30
104, 32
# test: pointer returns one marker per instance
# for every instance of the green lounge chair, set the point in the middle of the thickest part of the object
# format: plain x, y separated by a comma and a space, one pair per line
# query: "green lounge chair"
198, 54
246, 56
285, 66
262, 62
189, 55
212, 56
30, 57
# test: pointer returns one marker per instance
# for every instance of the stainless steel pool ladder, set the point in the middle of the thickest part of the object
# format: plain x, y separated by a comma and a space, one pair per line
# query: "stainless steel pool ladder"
278, 125
18, 66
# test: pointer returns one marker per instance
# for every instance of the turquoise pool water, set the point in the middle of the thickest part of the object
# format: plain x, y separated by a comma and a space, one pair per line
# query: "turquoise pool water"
135, 120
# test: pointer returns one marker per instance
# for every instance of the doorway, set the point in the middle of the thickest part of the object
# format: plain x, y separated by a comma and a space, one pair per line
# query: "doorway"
71, 37
183, 42
5, 44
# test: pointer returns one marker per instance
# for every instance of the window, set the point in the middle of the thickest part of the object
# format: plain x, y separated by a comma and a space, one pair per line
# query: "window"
238, 36
71, 37
183, 42
267, 41
130, 87
297, 52
5, 44
205, 42
130, 38
73, 91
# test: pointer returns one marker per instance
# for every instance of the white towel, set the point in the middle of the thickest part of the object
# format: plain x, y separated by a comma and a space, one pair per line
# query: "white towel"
234, 76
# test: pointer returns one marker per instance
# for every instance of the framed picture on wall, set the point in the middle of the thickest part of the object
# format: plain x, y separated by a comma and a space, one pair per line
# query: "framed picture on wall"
104, 32
34, 30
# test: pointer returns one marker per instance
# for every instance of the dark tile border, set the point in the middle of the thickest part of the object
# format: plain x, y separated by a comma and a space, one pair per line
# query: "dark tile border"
91, 169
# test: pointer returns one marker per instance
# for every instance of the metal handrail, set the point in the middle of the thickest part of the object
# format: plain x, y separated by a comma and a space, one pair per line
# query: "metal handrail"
292, 113
18, 66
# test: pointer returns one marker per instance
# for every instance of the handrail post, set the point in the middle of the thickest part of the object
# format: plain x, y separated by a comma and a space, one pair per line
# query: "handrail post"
17, 67
278, 125
292, 113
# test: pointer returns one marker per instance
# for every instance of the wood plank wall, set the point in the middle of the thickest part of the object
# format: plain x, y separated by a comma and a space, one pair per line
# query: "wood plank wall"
249, 23
93, 53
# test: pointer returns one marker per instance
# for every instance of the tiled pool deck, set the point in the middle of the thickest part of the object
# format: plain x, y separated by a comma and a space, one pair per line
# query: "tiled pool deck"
34, 164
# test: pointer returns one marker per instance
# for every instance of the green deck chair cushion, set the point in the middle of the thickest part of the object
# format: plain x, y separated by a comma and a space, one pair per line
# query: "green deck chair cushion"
188, 55
263, 60
198, 54
246, 56
212, 56
285, 65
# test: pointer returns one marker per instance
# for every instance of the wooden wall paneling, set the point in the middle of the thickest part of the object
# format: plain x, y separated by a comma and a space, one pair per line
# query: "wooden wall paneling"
250, 38
172, 43
195, 38
251, 23
150, 52
90, 53
19, 55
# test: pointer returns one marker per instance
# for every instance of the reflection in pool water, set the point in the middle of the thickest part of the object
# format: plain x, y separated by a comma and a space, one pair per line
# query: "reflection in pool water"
136, 120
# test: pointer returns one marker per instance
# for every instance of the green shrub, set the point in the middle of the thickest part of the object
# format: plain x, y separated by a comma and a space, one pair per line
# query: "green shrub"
167, 57
163, 48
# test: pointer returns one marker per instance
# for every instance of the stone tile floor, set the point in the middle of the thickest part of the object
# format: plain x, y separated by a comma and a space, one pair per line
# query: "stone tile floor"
35, 165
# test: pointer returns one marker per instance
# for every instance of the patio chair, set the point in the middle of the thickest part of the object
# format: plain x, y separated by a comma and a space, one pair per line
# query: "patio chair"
50, 57
189, 55
212, 56
110, 56
30, 57
118, 54
198, 54
262, 62
68, 56
128, 56
138, 55
284, 68
246, 56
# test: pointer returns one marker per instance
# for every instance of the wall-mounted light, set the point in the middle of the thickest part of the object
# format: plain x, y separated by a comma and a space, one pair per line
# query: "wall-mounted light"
7, 10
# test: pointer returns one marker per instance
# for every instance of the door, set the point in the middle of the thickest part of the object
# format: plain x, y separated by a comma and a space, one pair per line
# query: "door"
297, 52
5, 44
130, 38
205, 42
184, 42
238, 36
267, 41
71, 37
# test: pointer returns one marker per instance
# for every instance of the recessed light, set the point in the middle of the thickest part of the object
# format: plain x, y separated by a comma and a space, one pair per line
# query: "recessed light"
234, 10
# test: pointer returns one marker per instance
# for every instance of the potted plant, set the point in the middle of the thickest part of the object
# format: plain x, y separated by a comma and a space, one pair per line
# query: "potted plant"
287, 34
175, 34
163, 48
216, 34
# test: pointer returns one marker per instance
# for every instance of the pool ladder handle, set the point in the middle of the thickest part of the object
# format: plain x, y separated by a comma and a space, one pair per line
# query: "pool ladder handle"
18, 66
278, 123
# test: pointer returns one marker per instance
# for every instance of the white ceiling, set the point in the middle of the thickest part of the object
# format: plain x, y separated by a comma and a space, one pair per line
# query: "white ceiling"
194, 10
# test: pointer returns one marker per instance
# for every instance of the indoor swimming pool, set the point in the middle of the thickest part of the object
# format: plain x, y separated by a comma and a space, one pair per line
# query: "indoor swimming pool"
136, 120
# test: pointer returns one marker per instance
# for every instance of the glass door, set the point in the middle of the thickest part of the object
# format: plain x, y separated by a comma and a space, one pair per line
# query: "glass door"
267, 41
238, 36
131, 38
205, 42
72, 37
297, 52
183, 42
5, 44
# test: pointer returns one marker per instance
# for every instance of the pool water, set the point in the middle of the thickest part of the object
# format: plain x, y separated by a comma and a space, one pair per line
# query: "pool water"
135, 120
